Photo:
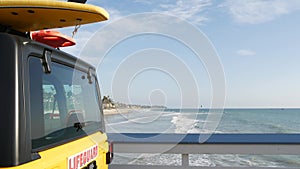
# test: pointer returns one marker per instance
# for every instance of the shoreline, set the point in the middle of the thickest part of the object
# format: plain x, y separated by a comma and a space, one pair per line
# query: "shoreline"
115, 111
108, 112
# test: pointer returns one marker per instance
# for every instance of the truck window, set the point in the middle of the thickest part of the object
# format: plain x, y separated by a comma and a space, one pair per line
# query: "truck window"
64, 105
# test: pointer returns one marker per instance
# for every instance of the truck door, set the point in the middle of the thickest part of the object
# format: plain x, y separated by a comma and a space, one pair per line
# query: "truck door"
67, 129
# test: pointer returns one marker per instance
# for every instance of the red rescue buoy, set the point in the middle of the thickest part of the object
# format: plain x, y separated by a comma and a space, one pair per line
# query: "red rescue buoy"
52, 38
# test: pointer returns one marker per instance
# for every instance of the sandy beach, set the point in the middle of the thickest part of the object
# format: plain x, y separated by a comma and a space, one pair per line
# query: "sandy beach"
114, 111
108, 112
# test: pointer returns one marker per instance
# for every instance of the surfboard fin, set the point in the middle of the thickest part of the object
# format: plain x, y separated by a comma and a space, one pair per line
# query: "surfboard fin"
78, 1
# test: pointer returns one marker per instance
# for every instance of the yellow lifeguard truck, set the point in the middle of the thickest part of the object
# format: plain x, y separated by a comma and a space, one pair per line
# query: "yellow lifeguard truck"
51, 111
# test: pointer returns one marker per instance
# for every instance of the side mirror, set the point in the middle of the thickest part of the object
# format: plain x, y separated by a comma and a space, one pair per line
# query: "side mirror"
110, 154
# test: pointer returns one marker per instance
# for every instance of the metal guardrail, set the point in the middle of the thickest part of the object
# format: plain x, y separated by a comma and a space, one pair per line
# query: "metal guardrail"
186, 144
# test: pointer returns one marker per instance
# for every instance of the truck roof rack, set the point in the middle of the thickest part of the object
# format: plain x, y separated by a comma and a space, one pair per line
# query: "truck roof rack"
9, 30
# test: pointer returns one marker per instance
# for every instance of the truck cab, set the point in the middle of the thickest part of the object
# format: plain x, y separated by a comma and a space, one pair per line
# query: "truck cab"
51, 110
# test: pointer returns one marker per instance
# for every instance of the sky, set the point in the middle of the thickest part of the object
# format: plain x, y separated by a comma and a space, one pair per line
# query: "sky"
193, 53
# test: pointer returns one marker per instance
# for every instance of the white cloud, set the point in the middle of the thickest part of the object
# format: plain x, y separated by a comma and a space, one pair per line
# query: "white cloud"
114, 14
190, 10
187, 9
260, 11
244, 52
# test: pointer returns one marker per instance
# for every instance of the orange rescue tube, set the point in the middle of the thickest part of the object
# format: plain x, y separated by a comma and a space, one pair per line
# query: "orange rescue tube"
52, 38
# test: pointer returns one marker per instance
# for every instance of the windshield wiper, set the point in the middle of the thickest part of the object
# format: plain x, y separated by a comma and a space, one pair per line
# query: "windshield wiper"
80, 125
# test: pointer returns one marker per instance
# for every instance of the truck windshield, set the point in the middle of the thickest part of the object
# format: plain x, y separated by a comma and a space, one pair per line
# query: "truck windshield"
64, 104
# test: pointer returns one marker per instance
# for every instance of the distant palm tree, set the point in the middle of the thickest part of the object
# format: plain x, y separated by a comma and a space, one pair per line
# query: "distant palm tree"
107, 102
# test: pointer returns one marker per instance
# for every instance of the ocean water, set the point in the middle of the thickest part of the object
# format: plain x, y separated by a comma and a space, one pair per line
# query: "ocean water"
208, 121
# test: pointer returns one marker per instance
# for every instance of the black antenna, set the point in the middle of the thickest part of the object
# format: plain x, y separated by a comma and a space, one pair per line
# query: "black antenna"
78, 1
